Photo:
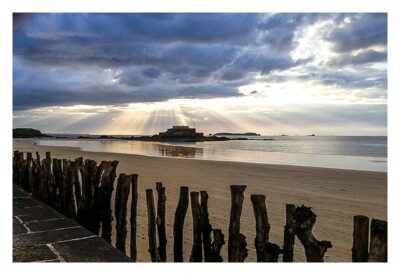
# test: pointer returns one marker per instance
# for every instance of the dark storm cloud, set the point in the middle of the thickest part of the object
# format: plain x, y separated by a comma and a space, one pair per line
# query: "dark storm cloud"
62, 59
369, 56
33, 98
363, 31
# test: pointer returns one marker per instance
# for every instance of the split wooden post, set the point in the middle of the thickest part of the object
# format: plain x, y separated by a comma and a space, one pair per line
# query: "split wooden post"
151, 218
179, 221
216, 245
206, 227
266, 251
237, 250
78, 186
133, 216
360, 239
162, 239
378, 241
97, 208
196, 255
304, 222
289, 234
121, 201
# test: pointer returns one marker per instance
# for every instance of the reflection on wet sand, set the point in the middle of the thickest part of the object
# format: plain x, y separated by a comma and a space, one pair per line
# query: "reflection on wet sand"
179, 151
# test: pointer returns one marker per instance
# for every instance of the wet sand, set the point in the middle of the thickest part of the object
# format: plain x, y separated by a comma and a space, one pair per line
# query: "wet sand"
334, 195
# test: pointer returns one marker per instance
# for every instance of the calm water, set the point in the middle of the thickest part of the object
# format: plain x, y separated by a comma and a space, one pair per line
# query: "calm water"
359, 153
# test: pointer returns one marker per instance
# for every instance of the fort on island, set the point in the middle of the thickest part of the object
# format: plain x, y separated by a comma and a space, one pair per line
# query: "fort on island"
181, 132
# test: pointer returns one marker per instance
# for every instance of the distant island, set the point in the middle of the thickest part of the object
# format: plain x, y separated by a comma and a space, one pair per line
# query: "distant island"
237, 134
27, 133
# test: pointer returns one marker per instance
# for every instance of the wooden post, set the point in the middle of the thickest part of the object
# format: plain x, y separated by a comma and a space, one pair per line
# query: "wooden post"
15, 167
121, 201
90, 177
70, 210
162, 246
266, 251
65, 201
151, 217
133, 216
179, 220
289, 234
28, 172
216, 245
360, 239
237, 250
97, 208
78, 186
38, 175
304, 223
378, 241
196, 255
90, 192
106, 189
206, 227
49, 182
19, 172
58, 181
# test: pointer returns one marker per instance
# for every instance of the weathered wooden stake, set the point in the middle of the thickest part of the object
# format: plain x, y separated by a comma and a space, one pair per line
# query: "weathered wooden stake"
162, 239
179, 221
237, 250
289, 234
106, 189
121, 201
98, 194
71, 210
206, 227
360, 239
58, 181
28, 172
133, 216
90, 191
151, 217
78, 186
304, 223
38, 186
378, 241
196, 255
266, 251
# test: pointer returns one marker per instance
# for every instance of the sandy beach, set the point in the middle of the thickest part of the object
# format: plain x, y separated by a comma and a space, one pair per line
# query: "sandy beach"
334, 195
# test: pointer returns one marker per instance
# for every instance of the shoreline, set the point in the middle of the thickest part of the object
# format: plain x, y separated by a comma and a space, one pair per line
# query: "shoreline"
335, 195
373, 159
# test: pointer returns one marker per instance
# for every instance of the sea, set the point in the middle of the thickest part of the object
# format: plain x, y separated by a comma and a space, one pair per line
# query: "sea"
367, 153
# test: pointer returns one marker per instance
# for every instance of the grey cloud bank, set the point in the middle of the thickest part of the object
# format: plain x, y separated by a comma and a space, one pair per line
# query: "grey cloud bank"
66, 59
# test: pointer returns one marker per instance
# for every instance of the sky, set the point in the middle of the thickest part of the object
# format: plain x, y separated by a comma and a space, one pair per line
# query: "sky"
284, 73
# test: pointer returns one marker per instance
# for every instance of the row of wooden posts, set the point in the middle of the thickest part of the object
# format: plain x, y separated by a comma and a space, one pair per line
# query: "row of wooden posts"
82, 190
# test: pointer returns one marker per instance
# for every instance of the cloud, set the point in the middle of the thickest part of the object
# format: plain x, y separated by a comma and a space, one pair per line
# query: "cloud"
359, 31
368, 56
77, 58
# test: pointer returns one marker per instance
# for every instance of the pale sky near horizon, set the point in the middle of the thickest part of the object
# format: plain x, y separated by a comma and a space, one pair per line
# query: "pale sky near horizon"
142, 73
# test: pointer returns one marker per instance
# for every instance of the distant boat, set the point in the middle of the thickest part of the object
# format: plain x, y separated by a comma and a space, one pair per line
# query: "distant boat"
312, 135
